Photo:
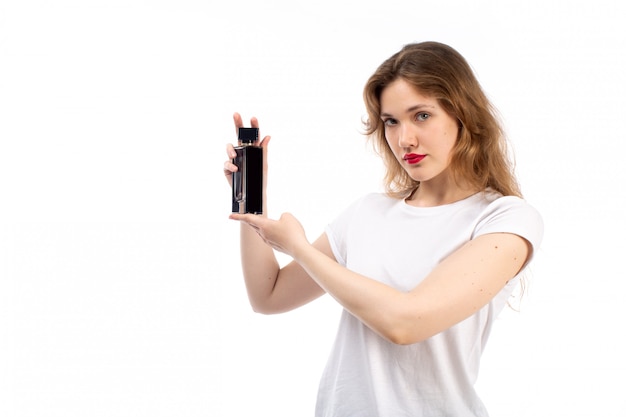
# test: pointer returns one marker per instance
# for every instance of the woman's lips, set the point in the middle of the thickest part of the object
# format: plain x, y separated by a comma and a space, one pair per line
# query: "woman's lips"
413, 158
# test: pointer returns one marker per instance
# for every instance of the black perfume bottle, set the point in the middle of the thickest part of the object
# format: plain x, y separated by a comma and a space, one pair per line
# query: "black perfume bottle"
248, 180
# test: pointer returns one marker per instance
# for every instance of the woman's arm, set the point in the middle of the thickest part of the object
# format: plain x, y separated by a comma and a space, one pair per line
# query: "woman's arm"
459, 286
270, 288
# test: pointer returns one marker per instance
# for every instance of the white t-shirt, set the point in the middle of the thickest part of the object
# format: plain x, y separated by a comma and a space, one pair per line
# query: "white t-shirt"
386, 239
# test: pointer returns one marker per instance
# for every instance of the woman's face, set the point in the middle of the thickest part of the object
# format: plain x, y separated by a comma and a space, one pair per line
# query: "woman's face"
418, 130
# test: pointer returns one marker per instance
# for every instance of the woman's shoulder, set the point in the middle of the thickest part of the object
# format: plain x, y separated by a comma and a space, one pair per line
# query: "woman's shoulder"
496, 202
510, 214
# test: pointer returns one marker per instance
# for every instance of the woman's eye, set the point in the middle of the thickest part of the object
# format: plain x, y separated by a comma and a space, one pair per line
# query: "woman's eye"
389, 122
422, 116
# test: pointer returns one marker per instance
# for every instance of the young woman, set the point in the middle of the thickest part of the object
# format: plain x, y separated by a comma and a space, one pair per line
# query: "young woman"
422, 270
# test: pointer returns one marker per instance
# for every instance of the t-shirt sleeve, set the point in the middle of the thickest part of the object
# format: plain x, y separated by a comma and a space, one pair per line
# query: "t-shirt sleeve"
512, 215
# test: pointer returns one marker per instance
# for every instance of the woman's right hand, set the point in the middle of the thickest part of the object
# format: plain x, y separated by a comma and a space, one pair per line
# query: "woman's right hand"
229, 167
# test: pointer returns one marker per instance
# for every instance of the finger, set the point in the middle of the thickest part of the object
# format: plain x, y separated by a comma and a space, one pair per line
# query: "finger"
265, 141
255, 221
254, 122
238, 122
243, 218
230, 151
229, 168
247, 218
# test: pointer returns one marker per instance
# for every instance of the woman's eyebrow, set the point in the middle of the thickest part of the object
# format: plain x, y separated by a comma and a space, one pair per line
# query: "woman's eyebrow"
411, 109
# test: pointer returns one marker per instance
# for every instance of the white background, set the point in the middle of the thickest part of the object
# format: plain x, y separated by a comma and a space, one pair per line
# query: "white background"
120, 287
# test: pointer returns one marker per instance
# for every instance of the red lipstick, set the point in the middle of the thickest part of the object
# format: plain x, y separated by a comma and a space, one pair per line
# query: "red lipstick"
413, 158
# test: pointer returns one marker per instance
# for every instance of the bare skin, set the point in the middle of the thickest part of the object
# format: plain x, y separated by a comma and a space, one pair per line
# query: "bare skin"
270, 288
445, 297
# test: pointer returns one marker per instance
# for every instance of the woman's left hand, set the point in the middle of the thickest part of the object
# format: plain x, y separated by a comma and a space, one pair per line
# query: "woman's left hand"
285, 234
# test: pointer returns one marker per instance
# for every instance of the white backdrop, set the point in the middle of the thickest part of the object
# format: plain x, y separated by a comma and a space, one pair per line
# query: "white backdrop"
120, 287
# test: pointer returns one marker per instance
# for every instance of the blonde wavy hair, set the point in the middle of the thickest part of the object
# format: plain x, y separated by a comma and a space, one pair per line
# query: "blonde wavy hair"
480, 155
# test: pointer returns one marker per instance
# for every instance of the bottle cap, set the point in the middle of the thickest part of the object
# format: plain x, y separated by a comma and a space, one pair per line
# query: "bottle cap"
248, 134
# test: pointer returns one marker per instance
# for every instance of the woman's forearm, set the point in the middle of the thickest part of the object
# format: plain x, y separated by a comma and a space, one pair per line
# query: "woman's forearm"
443, 298
372, 302
259, 266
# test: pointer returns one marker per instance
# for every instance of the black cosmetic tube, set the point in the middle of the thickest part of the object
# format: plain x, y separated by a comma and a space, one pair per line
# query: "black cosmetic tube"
248, 180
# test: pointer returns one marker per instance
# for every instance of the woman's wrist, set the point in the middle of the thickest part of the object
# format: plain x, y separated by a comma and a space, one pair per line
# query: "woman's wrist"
303, 252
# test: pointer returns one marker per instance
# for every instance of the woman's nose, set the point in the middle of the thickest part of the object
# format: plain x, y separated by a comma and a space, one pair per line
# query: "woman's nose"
407, 137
